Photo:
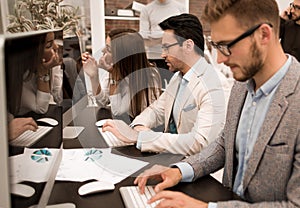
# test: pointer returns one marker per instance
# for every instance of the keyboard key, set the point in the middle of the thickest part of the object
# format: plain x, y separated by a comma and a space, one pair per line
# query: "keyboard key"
29, 137
133, 199
111, 140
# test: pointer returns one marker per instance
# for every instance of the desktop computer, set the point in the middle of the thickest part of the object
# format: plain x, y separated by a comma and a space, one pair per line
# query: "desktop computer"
11, 47
4, 179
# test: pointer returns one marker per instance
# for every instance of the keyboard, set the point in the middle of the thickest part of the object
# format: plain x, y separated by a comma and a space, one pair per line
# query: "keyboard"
111, 140
29, 137
133, 199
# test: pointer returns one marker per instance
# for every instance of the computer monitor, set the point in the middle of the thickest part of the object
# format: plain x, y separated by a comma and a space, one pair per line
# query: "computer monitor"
4, 179
13, 47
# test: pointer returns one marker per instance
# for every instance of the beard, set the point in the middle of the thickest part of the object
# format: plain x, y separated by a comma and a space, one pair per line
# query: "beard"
296, 19
255, 63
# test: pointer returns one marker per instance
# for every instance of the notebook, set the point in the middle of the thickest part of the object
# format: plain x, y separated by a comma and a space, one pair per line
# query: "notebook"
133, 199
29, 137
111, 140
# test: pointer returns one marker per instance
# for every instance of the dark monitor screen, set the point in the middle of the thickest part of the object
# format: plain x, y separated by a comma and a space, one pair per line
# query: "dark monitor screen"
34, 86
4, 179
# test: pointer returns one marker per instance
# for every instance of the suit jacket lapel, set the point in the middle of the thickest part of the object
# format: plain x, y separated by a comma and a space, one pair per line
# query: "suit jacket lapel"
273, 117
188, 92
237, 99
199, 70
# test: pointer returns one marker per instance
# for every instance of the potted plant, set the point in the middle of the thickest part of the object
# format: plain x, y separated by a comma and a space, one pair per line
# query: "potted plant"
32, 15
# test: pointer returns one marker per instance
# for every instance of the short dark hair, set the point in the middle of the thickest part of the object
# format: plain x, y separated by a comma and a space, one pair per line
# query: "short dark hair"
186, 26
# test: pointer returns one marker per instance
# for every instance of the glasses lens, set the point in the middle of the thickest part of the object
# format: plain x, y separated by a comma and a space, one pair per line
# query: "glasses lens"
224, 49
296, 7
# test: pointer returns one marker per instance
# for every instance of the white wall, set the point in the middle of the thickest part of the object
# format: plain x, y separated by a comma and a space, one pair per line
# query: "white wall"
185, 3
283, 4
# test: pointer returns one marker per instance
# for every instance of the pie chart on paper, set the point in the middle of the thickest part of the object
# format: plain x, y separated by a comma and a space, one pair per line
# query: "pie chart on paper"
93, 155
41, 156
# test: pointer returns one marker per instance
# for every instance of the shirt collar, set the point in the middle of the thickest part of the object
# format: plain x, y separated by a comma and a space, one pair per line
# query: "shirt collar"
273, 82
188, 76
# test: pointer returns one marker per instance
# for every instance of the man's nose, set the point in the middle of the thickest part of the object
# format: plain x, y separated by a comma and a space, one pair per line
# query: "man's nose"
221, 58
163, 54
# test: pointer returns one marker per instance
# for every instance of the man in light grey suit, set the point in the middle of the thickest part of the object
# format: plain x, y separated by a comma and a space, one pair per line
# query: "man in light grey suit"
259, 147
193, 106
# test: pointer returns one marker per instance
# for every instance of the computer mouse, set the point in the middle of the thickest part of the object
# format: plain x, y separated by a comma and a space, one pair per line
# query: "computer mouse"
95, 187
50, 121
100, 123
61, 205
21, 190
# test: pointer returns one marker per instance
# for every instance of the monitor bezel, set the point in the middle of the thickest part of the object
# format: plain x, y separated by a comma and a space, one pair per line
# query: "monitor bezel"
4, 179
47, 189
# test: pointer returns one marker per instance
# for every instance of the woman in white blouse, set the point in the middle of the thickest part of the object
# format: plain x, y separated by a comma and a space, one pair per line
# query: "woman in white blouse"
133, 83
44, 85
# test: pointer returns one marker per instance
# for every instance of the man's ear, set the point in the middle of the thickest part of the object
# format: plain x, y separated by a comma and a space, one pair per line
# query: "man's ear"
189, 45
266, 33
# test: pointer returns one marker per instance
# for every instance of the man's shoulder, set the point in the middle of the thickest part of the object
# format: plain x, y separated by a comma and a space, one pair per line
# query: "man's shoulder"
150, 5
291, 79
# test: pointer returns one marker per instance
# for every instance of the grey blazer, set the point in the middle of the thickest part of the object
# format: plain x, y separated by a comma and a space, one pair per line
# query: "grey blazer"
272, 178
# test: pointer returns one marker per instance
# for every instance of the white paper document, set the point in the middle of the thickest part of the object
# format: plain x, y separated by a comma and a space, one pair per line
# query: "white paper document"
76, 165
33, 165
99, 164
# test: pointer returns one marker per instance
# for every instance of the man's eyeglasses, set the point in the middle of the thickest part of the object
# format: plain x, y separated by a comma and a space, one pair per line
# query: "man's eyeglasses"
295, 7
225, 48
165, 48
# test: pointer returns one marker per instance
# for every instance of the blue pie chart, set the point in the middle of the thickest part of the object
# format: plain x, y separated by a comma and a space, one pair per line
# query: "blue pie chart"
41, 156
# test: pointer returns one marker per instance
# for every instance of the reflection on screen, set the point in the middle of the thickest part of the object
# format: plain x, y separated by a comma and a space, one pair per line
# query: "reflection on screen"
34, 90
34, 77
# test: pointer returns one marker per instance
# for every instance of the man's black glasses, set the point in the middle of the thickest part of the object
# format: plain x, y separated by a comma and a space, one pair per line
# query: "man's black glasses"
165, 48
296, 7
225, 48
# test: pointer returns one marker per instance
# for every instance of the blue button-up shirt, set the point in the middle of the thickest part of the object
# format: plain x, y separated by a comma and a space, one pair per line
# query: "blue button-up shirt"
253, 114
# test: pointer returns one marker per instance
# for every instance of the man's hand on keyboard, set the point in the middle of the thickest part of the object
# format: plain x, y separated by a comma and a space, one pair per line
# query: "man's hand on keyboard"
176, 199
19, 125
120, 130
169, 176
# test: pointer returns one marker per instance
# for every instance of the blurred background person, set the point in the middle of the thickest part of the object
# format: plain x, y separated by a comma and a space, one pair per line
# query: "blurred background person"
151, 15
290, 29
